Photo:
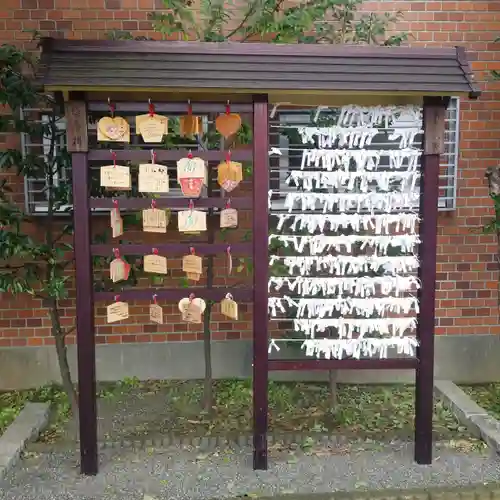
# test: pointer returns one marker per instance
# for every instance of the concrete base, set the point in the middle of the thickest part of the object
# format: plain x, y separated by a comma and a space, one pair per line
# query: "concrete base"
26, 427
470, 414
461, 358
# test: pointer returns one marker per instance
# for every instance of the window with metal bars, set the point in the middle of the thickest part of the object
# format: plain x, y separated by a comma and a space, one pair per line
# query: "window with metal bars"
290, 149
35, 188
35, 192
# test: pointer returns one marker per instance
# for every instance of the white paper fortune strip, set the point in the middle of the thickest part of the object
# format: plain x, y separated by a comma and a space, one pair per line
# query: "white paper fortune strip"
358, 348
320, 243
329, 202
378, 224
379, 116
329, 137
362, 286
362, 159
347, 328
345, 264
365, 182
326, 307
358, 137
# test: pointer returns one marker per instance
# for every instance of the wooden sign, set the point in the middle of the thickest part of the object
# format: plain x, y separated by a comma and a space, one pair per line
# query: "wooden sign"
191, 309
117, 312
192, 174
229, 175
189, 125
229, 307
116, 223
119, 270
228, 124
76, 126
113, 129
151, 127
153, 178
192, 265
154, 221
228, 218
156, 264
192, 221
156, 313
116, 177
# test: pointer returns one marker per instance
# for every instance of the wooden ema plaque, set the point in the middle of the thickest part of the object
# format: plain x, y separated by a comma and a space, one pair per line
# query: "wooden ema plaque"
113, 129
229, 175
192, 175
153, 178
154, 220
191, 309
192, 265
192, 221
119, 270
228, 218
228, 123
115, 177
117, 312
116, 222
156, 313
156, 264
190, 125
151, 127
229, 307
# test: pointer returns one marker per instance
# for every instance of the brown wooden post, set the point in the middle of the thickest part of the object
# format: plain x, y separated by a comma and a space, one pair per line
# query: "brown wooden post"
433, 145
260, 278
76, 116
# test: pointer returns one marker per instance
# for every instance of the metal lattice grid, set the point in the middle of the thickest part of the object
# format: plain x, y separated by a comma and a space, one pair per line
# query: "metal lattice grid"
291, 153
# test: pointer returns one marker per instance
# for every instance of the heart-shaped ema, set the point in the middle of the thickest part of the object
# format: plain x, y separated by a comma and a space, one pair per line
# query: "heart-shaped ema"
113, 129
200, 303
228, 124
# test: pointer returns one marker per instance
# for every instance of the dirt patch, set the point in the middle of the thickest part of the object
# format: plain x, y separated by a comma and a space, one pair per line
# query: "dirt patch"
133, 410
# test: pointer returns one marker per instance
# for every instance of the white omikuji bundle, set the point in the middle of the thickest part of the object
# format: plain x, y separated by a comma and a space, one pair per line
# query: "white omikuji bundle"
383, 203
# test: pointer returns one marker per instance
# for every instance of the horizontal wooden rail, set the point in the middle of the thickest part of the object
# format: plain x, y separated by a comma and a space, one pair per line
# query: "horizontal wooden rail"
169, 107
144, 155
180, 203
343, 364
180, 249
239, 294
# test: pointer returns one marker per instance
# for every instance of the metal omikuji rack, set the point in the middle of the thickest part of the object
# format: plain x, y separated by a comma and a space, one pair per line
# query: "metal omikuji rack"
77, 109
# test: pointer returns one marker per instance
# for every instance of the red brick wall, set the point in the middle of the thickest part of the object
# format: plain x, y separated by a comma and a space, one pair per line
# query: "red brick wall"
467, 289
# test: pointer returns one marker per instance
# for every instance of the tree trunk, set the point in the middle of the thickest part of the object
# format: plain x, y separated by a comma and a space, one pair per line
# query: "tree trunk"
207, 351
62, 359
332, 380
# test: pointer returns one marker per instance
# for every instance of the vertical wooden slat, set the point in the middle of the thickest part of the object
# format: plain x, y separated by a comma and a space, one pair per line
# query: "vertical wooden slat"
429, 194
260, 279
84, 301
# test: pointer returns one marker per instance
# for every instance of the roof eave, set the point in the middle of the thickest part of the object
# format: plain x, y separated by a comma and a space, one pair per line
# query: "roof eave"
475, 92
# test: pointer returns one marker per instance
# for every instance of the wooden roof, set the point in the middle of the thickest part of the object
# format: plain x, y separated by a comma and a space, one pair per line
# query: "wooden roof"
254, 67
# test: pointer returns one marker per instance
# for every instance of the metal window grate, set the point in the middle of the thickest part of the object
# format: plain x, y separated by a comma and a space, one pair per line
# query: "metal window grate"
291, 153
35, 197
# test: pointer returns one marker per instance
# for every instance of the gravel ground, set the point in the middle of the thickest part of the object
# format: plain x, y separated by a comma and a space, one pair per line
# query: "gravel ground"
183, 473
